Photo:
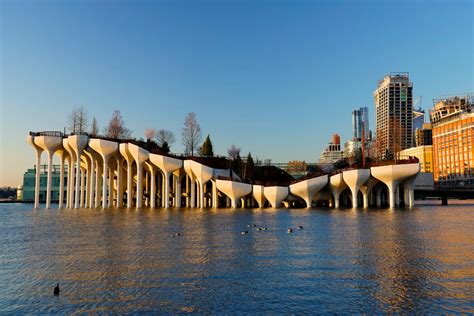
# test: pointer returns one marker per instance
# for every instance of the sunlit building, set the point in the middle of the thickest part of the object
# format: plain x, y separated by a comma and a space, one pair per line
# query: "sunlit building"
452, 122
394, 113
424, 136
424, 154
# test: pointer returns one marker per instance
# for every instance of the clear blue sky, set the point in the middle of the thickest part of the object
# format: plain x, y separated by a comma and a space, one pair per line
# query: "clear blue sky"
276, 78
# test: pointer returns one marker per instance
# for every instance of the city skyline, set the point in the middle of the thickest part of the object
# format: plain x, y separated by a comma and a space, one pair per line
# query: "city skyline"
242, 89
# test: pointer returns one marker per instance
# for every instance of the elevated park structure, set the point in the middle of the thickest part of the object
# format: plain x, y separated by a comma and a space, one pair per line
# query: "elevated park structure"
126, 173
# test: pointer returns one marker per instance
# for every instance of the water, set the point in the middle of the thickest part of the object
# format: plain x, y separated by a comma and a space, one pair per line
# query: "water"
121, 261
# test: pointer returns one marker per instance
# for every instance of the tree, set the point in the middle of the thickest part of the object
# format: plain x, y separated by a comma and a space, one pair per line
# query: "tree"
163, 135
206, 149
94, 127
78, 121
150, 133
116, 127
191, 134
165, 147
233, 152
249, 167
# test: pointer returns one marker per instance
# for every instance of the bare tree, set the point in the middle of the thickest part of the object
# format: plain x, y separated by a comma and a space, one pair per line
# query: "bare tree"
78, 121
116, 127
191, 134
233, 152
150, 133
165, 136
94, 127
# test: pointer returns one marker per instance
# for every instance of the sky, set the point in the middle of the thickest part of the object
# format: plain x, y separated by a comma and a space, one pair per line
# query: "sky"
276, 78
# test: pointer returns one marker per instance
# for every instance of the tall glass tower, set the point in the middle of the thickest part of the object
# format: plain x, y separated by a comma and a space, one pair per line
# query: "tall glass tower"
360, 117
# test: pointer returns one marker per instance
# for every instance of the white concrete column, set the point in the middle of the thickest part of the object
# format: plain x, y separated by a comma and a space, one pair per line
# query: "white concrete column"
201, 194
365, 194
410, 191
166, 192
88, 183
37, 177
214, 195
129, 183
67, 182
78, 180
61, 183
193, 193
178, 192
119, 182
139, 184
72, 181
336, 199
153, 189
411, 197
49, 179
92, 185
392, 190
188, 191
111, 187
104, 183
97, 185
81, 197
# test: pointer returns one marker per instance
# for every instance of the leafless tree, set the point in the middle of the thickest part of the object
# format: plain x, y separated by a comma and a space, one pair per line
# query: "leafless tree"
94, 127
191, 134
150, 133
267, 162
233, 152
116, 127
78, 121
165, 136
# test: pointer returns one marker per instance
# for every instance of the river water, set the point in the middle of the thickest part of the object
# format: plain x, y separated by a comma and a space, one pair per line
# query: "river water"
122, 261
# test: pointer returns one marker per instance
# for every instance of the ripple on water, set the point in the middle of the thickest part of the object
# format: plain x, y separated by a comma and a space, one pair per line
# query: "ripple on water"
121, 261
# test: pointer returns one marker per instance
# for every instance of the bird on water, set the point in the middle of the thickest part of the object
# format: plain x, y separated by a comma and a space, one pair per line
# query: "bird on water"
56, 290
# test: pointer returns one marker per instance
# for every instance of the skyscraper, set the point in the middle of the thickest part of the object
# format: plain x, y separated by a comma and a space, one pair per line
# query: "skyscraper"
394, 114
360, 117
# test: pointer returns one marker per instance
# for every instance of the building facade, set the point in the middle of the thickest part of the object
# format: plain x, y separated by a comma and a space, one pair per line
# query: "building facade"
452, 122
360, 120
394, 113
333, 152
424, 154
424, 136
28, 191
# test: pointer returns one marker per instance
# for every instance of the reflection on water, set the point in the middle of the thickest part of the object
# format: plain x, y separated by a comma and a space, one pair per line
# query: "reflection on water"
342, 261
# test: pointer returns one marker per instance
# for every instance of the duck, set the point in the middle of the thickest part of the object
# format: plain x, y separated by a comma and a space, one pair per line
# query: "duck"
56, 290
289, 230
300, 227
244, 232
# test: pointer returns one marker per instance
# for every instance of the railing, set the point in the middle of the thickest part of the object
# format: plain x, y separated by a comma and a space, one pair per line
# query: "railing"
394, 162
48, 133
